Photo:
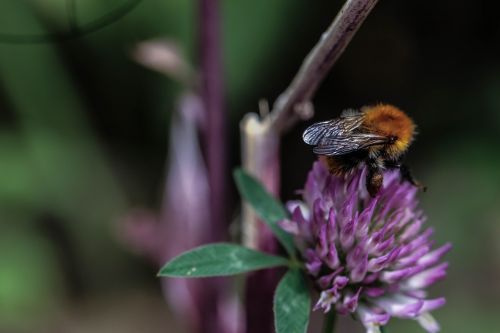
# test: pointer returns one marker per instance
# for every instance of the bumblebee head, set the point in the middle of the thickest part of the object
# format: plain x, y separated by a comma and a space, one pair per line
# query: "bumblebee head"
389, 121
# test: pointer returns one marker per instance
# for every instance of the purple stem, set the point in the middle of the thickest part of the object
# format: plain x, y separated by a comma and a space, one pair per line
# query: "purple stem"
214, 149
213, 98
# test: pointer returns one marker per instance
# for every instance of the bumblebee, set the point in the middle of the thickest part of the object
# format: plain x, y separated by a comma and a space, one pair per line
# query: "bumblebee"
377, 136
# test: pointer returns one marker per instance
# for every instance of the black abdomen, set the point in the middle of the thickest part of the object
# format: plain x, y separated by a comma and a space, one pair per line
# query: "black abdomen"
342, 164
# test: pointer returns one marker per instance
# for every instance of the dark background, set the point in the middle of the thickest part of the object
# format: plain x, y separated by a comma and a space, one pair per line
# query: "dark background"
84, 128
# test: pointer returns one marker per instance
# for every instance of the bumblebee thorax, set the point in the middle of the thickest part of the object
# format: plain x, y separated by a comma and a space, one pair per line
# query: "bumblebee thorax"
389, 121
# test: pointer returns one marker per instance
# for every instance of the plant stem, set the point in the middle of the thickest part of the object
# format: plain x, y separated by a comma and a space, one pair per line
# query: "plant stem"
213, 100
296, 98
329, 322
214, 144
261, 144
383, 329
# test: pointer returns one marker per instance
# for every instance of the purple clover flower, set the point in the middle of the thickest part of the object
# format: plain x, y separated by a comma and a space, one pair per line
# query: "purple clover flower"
368, 256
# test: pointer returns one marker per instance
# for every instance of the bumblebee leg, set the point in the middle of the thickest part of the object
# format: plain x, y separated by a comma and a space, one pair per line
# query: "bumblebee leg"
407, 175
392, 164
374, 179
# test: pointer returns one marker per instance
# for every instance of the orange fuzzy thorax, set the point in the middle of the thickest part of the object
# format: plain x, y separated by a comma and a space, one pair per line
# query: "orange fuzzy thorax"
388, 120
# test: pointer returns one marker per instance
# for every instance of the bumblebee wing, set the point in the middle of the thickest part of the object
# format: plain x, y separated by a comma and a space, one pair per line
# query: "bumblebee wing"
340, 136
345, 144
314, 133
339, 127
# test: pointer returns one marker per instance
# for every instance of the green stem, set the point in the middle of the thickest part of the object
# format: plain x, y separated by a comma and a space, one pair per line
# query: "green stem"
383, 329
329, 322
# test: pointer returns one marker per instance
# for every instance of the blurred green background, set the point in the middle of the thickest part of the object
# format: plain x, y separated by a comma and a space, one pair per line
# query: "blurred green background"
83, 140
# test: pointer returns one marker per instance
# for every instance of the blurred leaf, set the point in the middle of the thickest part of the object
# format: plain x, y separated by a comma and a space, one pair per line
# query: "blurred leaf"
267, 207
20, 186
219, 260
30, 278
70, 171
292, 304
61, 150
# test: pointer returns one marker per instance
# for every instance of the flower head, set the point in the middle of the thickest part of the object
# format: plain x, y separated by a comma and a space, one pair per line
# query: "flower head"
368, 256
